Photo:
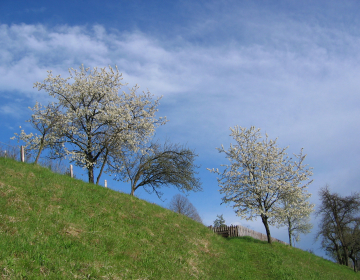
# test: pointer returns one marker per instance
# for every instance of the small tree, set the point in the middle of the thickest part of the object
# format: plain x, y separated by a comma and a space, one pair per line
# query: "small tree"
44, 120
219, 221
180, 204
156, 165
296, 215
260, 176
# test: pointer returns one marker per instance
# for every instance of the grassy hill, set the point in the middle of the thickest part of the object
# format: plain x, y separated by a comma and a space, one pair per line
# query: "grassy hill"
55, 227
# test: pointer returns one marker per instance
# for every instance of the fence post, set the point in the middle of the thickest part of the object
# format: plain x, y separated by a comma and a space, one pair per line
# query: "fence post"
105, 184
71, 171
22, 154
5, 153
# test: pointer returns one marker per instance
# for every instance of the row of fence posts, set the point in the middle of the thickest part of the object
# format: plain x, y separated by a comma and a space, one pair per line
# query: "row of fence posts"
238, 230
22, 158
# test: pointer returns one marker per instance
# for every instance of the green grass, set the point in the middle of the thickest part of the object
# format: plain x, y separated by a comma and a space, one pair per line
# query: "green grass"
55, 227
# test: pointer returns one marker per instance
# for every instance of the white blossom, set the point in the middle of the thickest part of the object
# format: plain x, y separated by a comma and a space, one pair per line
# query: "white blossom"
96, 118
260, 176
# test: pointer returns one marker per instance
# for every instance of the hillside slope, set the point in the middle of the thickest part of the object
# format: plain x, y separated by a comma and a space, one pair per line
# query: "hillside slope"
55, 227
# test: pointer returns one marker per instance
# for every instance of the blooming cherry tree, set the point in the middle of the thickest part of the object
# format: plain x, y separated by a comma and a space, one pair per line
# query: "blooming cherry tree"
260, 177
96, 118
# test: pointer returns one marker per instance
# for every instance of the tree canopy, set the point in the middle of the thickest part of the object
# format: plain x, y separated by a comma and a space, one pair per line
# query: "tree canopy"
340, 225
260, 177
156, 165
93, 118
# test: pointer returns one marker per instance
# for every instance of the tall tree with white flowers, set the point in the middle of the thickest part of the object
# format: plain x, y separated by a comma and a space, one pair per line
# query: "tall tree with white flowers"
260, 177
96, 118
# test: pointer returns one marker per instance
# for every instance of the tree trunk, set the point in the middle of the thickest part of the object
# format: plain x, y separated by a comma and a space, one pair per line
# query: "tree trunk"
102, 167
342, 240
39, 152
91, 174
89, 157
290, 231
338, 254
354, 263
134, 182
346, 255
265, 222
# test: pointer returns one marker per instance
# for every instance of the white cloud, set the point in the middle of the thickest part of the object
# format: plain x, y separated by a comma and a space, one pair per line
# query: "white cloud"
296, 81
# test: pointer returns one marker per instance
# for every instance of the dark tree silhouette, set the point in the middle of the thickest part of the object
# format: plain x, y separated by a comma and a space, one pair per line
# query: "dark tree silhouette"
339, 226
156, 165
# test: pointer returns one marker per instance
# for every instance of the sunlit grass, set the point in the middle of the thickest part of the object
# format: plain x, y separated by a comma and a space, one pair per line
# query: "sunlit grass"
56, 227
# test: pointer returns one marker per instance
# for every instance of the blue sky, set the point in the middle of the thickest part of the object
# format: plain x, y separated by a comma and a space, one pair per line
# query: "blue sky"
291, 68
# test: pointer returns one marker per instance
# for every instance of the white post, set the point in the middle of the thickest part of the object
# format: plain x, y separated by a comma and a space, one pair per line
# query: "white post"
105, 184
5, 153
22, 154
71, 171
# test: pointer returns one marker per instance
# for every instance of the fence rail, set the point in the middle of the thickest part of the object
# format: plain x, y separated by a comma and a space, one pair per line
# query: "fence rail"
237, 231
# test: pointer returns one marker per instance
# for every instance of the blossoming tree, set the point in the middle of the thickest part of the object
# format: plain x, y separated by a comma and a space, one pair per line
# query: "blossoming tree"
295, 214
95, 118
260, 177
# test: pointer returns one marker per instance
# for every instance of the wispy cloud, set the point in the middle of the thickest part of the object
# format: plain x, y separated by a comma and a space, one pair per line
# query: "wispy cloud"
297, 82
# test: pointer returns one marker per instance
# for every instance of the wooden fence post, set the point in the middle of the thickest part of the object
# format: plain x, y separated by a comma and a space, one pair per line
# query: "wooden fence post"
105, 184
71, 171
22, 154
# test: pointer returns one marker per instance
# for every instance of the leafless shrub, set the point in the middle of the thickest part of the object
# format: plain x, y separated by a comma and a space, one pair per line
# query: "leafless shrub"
180, 204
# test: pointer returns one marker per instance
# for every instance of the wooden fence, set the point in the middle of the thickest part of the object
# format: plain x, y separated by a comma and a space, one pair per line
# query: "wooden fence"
235, 231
